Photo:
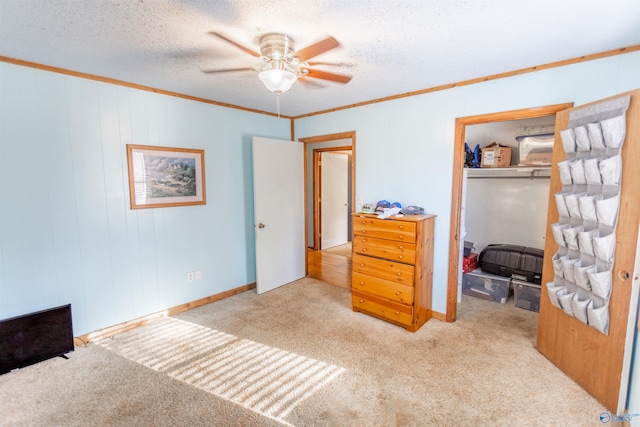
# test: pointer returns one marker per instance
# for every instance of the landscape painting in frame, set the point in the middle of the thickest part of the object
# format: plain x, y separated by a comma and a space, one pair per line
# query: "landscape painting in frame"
164, 176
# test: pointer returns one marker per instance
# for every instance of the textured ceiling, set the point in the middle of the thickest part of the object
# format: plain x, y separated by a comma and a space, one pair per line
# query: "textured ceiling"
390, 47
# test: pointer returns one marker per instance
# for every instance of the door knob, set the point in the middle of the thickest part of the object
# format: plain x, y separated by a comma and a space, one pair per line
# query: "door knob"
261, 225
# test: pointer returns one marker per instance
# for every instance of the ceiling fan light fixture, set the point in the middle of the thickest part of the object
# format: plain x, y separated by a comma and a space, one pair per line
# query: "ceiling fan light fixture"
277, 81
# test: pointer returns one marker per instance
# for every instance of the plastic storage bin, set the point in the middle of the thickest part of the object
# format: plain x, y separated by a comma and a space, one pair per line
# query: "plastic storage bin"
526, 295
486, 286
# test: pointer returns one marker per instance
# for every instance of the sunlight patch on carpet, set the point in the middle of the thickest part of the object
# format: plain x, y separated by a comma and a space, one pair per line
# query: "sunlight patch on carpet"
264, 379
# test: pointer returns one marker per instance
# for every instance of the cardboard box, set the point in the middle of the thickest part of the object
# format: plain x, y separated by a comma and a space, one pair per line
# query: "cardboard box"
535, 150
496, 156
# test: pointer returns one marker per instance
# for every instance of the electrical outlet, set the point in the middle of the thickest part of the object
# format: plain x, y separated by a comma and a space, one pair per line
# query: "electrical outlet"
190, 276
198, 275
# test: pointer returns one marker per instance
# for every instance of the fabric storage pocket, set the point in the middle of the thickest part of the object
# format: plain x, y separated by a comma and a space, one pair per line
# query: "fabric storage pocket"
555, 292
613, 131
571, 236
571, 200
561, 205
587, 207
568, 269
566, 302
585, 241
557, 264
568, 137
556, 229
577, 171
581, 275
604, 246
595, 136
565, 172
582, 138
607, 210
580, 308
600, 282
598, 316
610, 170
592, 171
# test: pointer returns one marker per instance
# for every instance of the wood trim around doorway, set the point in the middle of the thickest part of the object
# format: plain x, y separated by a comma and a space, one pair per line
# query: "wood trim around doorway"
325, 138
456, 192
317, 217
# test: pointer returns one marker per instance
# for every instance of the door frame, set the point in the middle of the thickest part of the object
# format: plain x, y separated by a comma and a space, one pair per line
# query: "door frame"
317, 191
456, 187
325, 138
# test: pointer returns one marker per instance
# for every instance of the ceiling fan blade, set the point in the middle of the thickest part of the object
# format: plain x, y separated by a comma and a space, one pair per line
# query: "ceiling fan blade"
236, 44
317, 48
339, 78
228, 70
331, 64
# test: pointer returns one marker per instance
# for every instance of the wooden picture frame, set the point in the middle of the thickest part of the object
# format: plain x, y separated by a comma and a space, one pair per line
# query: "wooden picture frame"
161, 177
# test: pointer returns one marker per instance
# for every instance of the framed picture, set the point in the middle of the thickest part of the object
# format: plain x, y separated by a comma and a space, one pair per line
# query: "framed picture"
161, 177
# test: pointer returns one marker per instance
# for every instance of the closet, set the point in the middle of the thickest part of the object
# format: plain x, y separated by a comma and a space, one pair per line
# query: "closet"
504, 205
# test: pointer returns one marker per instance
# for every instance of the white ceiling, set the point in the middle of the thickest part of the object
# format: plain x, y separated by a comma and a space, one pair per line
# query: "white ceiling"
390, 47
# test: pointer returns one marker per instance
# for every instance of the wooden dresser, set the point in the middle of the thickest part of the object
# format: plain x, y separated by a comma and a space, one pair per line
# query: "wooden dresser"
392, 271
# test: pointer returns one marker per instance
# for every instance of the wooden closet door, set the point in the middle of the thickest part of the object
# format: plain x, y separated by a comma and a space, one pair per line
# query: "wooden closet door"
599, 363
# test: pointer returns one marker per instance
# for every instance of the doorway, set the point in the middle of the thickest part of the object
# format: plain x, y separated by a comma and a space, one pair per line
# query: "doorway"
457, 187
326, 265
332, 179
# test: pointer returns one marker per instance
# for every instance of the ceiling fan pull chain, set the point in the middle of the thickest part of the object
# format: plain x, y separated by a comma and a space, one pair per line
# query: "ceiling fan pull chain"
278, 103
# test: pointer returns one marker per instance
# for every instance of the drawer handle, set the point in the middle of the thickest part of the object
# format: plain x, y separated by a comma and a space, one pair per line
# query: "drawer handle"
361, 301
400, 237
362, 265
397, 313
364, 240
399, 256
401, 247
361, 283
398, 293
364, 249
398, 274
402, 227
364, 231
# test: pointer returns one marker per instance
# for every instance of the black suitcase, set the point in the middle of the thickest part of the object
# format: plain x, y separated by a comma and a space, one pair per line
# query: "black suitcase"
518, 262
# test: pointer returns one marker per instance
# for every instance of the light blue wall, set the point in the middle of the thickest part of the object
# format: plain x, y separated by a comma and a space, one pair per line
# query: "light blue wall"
67, 234
405, 147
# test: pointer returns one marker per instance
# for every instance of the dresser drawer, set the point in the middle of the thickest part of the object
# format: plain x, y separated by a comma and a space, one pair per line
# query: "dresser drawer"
382, 288
385, 229
389, 249
389, 270
399, 313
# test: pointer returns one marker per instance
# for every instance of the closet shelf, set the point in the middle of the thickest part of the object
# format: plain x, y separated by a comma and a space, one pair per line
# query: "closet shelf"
511, 172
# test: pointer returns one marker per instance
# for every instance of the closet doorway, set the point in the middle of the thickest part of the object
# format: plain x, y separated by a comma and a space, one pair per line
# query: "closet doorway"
457, 199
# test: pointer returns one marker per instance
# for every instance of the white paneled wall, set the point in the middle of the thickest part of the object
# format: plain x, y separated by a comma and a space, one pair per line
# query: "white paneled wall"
67, 234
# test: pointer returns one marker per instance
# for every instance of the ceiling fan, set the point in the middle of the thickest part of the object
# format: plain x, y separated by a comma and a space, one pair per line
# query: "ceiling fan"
283, 65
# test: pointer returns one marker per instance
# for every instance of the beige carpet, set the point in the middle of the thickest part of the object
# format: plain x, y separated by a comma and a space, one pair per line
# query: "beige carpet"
299, 356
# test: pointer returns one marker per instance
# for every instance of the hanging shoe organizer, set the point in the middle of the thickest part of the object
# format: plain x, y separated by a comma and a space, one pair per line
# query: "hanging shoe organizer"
588, 212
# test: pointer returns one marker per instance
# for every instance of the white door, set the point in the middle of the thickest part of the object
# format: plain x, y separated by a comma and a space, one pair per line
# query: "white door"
278, 198
334, 199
